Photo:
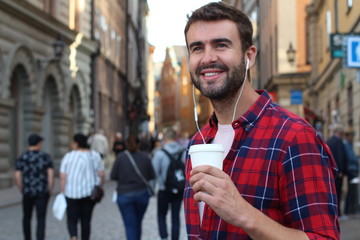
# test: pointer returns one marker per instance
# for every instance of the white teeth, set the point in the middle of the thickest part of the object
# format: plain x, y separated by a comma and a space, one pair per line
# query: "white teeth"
210, 74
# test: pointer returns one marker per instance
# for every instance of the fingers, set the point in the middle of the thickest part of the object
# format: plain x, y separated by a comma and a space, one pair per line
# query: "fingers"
206, 169
208, 181
207, 173
203, 182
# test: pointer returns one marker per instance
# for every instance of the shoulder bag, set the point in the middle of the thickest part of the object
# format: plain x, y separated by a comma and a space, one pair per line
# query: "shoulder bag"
138, 172
97, 193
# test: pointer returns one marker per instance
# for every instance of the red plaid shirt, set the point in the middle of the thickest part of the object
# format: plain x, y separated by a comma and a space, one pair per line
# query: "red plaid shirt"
281, 166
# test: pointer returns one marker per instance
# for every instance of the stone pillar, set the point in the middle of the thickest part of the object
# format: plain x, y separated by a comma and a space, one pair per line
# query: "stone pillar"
5, 168
86, 123
312, 19
62, 138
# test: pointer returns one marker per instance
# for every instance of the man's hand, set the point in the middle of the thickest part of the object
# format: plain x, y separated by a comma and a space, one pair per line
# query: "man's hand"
215, 188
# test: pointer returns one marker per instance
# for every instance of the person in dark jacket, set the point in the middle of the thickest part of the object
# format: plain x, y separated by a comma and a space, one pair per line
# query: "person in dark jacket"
34, 177
351, 200
336, 145
161, 162
133, 196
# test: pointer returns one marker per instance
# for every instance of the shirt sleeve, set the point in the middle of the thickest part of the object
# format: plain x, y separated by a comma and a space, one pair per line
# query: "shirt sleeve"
63, 165
307, 189
156, 160
19, 164
114, 170
49, 161
99, 164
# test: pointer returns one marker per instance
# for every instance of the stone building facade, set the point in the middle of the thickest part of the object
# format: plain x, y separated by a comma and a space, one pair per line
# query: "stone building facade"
335, 88
39, 91
329, 90
109, 67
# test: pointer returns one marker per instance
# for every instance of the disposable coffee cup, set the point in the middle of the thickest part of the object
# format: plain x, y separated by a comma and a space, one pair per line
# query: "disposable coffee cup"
207, 154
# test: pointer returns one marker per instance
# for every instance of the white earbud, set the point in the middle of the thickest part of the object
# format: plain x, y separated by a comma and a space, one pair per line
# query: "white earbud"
247, 64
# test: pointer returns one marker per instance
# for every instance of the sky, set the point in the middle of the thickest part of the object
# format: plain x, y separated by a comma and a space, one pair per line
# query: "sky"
167, 19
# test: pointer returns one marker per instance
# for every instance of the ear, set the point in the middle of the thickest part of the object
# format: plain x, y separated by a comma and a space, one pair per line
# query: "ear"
251, 53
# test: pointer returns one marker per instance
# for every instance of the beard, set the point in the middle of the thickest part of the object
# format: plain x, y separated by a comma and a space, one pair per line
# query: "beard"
233, 81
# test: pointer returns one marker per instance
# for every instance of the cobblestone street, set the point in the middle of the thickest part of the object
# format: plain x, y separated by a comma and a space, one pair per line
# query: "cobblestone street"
106, 223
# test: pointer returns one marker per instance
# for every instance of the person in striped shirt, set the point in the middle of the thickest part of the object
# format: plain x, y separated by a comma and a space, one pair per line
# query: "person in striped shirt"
80, 170
277, 180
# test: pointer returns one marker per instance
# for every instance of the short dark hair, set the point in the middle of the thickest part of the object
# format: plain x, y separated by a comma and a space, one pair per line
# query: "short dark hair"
170, 133
81, 140
34, 139
221, 11
133, 143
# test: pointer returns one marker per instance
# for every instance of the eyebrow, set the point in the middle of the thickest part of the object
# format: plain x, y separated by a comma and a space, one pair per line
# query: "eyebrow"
217, 40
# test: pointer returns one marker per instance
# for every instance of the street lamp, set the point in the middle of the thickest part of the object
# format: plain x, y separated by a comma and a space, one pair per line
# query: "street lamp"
58, 46
291, 54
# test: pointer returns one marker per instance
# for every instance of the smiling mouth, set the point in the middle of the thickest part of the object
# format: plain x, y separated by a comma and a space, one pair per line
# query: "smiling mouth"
211, 74
211, 70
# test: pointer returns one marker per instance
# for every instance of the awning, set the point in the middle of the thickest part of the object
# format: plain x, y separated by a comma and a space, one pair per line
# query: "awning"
311, 115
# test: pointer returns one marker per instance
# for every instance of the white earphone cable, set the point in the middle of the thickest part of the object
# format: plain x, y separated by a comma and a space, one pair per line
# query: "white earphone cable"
242, 88
195, 114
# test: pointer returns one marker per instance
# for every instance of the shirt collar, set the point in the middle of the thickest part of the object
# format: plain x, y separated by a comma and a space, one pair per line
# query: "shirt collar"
250, 117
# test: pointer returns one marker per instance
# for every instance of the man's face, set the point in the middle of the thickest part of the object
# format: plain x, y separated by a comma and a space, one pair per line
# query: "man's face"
216, 62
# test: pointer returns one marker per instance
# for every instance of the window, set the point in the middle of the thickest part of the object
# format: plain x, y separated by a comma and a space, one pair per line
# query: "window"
328, 26
49, 7
320, 44
118, 49
350, 105
307, 44
349, 5
74, 15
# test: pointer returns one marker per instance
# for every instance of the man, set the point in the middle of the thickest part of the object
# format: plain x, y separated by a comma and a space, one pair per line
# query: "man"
278, 174
119, 144
34, 177
98, 142
161, 162
336, 145
351, 200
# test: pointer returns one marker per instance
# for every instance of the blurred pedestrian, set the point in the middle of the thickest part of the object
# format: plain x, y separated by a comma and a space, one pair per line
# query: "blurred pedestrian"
351, 200
166, 197
99, 143
34, 177
337, 148
81, 169
132, 194
119, 144
184, 139
157, 146
146, 143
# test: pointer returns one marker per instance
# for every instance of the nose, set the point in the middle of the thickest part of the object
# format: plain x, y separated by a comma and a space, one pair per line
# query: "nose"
209, 56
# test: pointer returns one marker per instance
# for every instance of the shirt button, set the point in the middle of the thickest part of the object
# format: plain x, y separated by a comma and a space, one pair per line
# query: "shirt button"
248, 126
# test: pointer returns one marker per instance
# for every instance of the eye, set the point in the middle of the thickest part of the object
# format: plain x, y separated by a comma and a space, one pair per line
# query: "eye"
222, 45
197, 48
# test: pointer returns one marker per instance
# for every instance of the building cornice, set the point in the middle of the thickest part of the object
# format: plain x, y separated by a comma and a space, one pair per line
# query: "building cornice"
44, 22
329, 70
288, 79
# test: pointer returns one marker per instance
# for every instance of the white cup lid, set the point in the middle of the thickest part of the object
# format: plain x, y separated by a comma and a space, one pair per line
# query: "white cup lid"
206, 147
